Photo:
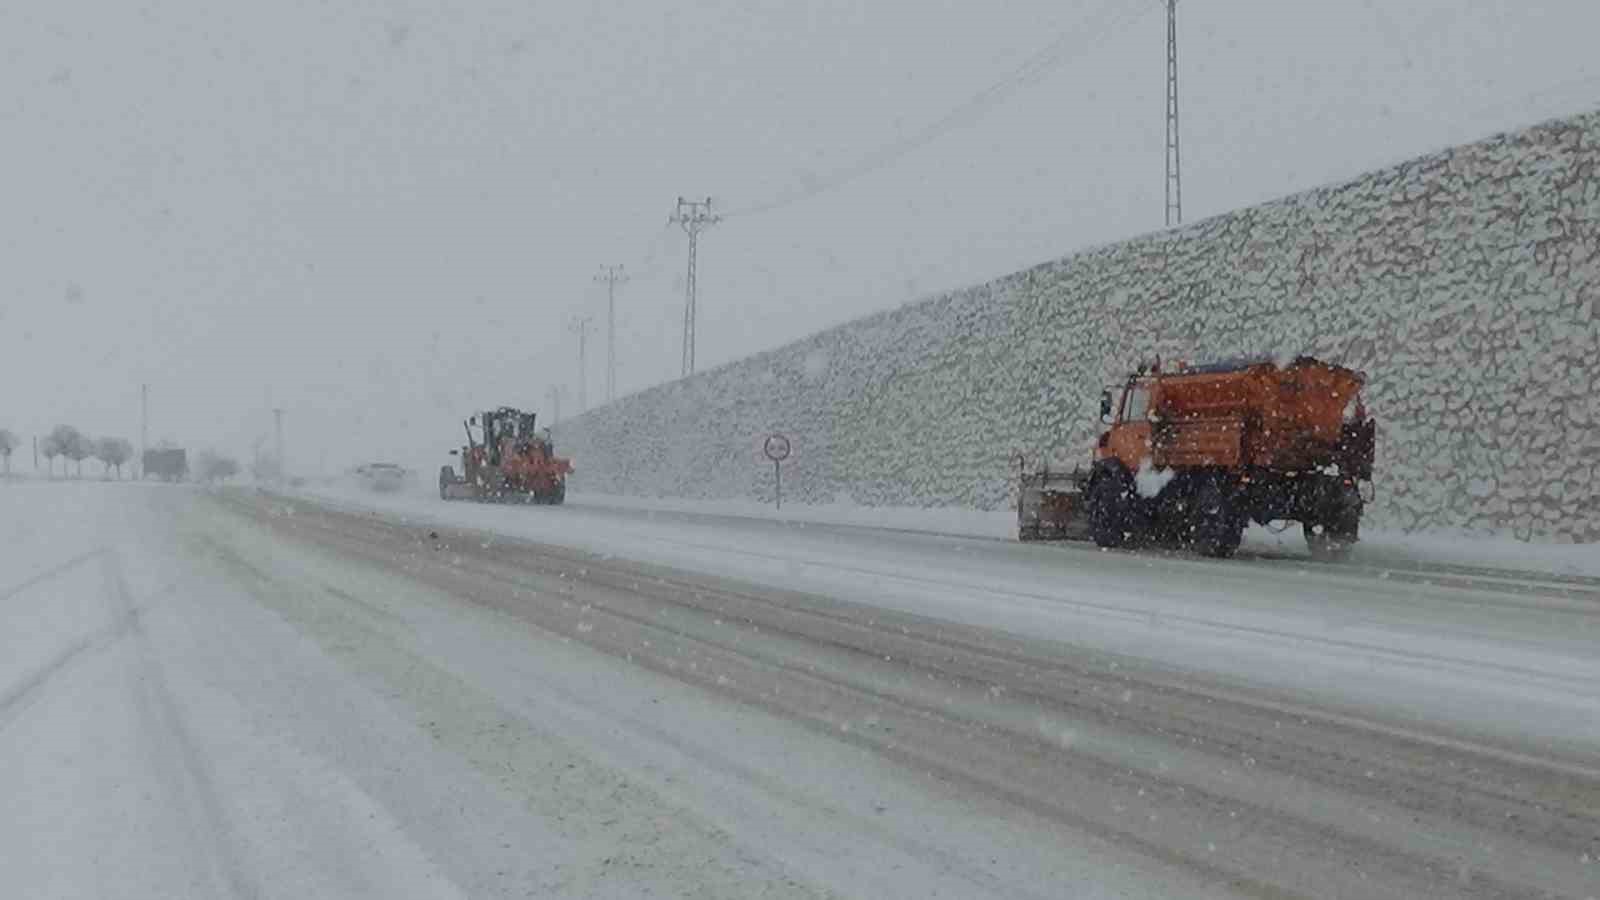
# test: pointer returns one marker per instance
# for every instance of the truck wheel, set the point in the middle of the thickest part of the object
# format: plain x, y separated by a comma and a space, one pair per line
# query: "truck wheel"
559, 495
1333, 528
1326, 543
1107, 500
1218, 528
447, 477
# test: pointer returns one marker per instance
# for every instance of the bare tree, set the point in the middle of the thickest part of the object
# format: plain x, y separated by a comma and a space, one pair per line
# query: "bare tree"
51, 450
96, 446
61, 441
213, 467
113, 452
8, 443
79, 448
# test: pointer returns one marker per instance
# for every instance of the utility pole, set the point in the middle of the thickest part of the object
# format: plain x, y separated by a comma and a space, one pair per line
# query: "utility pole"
144, 425
580, 327
611, 276
694, 216
277, 424
1174, 169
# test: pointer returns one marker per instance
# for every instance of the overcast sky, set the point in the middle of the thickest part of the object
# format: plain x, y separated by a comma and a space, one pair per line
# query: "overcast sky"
382, 215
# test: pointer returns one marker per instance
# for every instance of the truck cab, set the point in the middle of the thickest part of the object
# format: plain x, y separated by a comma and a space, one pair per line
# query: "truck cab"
1130, 435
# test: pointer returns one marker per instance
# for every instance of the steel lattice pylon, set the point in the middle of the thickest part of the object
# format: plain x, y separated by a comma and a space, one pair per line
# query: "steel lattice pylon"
611, 276
694, 216
1174, 159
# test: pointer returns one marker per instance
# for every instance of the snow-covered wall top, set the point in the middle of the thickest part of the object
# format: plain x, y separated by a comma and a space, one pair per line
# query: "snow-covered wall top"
1465, 283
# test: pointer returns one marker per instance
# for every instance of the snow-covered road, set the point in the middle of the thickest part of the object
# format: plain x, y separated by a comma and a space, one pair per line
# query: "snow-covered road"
1508, 649
235, 694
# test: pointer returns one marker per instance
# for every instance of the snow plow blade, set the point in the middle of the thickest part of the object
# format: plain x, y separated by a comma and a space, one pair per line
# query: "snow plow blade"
1050, 506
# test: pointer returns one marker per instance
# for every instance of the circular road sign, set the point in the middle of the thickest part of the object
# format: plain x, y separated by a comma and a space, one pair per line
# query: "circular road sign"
776, 448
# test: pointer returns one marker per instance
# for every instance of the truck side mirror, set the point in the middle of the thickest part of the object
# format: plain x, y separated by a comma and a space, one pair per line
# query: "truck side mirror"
1105, 407
455, 452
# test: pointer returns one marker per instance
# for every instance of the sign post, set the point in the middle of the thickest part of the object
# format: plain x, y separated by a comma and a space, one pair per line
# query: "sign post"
777, 449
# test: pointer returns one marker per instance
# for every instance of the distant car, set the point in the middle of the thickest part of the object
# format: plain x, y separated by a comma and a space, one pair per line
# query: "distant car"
383, 476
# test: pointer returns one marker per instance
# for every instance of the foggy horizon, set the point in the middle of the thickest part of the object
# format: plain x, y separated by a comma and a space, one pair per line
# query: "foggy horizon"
382, 218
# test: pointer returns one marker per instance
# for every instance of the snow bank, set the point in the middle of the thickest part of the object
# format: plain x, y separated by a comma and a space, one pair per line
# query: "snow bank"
1378, 547
1465, 282
950, 520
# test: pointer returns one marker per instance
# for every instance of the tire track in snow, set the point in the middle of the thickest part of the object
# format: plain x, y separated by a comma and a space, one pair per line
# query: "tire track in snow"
25, 692
422, 686
1576, 685
52, 572
1585, 589
1007, 764
178, 760
1455, 581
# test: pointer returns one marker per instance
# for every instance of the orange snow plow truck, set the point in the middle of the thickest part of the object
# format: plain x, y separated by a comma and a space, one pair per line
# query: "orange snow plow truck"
1191, 455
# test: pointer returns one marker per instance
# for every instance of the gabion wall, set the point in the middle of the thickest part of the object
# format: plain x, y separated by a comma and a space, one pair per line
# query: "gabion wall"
1466, 284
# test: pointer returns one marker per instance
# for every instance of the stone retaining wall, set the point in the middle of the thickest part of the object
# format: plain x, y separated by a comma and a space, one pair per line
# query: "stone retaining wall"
1466, 283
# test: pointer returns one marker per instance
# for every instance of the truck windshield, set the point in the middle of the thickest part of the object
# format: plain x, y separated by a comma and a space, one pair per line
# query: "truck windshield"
1137, 403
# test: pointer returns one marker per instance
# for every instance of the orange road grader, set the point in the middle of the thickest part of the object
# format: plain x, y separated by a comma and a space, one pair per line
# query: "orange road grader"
508, 461
1192, 454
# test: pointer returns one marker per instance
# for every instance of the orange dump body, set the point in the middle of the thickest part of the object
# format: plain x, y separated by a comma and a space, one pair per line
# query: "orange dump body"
1300, 417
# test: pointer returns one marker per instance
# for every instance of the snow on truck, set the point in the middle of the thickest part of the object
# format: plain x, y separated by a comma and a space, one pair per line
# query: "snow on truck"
1192, 454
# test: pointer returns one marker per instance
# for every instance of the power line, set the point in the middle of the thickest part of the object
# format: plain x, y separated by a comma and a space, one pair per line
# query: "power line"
651, 264
694, 216
611, 276
1114, 16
